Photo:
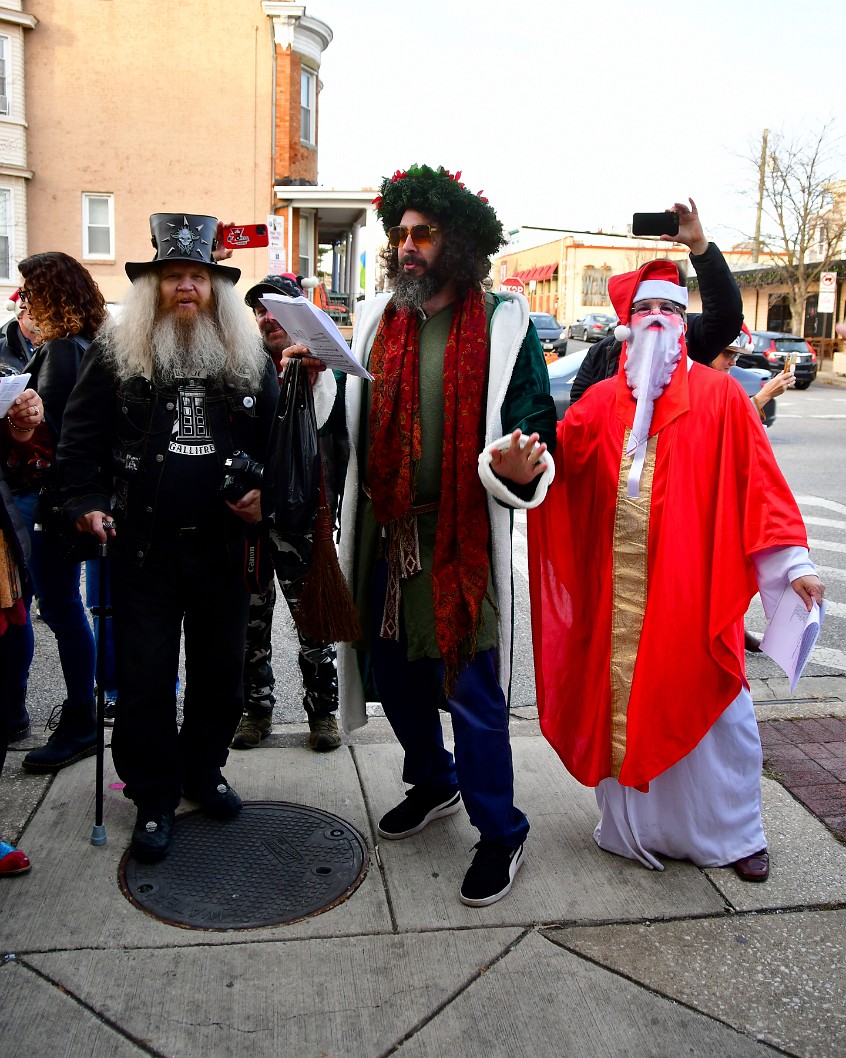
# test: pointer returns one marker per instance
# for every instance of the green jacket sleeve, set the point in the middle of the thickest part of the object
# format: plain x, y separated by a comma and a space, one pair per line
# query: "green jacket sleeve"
528, 404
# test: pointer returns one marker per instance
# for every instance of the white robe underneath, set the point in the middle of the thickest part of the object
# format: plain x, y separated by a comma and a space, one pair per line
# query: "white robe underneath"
707, 807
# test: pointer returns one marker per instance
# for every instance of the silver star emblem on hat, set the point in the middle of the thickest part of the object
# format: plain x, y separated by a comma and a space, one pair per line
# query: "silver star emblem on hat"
184, 238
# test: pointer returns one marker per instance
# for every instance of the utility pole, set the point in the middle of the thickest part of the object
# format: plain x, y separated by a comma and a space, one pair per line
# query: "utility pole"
762, 174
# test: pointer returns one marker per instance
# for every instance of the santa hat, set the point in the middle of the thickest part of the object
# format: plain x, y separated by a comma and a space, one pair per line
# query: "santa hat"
13, 304
656, 279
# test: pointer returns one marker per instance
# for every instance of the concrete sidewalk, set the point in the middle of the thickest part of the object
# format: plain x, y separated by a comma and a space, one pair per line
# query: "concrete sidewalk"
589, 955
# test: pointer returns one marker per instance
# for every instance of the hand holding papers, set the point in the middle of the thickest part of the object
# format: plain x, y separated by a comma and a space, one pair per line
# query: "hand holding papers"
792, 633
11, 386
313, 328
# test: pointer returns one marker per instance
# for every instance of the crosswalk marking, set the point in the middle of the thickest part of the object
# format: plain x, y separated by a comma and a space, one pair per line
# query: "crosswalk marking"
826, 545
832, 523
820, 501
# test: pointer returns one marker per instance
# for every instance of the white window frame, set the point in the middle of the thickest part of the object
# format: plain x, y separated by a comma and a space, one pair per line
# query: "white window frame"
308, 106
306, 226
10, 230
5, 81
87, 253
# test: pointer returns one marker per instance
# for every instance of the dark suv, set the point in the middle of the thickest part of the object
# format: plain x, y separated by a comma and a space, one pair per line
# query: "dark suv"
770, 348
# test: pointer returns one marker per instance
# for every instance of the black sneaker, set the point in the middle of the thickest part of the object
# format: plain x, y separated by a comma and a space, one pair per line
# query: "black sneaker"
421, 805
152, 834
491, 873
218, 801
109, 712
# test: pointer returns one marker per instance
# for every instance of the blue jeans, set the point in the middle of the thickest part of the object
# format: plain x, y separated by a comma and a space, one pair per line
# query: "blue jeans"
411, 691
56, 583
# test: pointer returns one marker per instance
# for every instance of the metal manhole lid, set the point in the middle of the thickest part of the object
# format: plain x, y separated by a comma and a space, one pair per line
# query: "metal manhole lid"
274, 863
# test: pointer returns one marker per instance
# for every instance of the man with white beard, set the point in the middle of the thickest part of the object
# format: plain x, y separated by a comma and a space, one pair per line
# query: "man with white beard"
708, 331
166, 394
674, 512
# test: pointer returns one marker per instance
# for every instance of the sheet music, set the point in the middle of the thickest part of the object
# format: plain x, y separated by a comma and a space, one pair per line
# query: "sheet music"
316, 330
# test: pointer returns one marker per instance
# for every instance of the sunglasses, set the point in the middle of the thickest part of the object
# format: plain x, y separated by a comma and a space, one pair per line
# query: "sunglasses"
421, 234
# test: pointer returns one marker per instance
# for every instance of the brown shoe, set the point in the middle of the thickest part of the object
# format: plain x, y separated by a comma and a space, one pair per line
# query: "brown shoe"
754, 868
323, 733
251, 732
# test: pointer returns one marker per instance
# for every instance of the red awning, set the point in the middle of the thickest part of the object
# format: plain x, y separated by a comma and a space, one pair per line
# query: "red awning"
539, 273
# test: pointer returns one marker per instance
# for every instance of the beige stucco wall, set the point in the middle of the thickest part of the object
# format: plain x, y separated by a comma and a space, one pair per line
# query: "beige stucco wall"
167, 106
566, 300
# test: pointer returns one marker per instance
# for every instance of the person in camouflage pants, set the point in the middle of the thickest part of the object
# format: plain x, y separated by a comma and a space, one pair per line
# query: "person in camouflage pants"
292, 559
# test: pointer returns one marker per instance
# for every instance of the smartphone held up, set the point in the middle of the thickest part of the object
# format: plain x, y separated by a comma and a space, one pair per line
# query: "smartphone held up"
666, 223
244, 236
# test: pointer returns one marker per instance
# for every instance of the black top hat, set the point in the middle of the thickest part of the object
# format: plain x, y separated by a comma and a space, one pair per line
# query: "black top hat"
182, 237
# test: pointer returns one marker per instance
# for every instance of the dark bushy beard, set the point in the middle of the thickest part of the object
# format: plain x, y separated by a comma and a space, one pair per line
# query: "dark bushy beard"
183, 348
413, 292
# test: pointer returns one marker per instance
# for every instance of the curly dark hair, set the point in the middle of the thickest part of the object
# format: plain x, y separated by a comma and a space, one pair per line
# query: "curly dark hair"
63, 299
461, 259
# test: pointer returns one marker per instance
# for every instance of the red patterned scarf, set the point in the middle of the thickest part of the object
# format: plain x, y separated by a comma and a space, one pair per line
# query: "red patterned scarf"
460, 566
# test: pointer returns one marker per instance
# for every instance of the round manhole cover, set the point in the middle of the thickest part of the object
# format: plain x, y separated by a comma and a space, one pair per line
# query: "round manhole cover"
274, 863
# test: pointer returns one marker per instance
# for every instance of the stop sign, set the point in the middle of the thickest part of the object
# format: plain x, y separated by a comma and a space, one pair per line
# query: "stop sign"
514, 285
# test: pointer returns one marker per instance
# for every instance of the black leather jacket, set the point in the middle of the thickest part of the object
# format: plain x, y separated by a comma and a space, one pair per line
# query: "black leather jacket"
708, 332
115, 440
15, 350
54, 368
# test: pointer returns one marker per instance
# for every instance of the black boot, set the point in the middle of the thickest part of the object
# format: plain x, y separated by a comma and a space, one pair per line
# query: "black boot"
75, 737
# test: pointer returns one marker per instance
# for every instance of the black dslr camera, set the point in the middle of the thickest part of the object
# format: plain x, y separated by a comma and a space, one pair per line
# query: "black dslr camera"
241, 475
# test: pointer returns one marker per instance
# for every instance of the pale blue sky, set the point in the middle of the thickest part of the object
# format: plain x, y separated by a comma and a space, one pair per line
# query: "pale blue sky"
576, 116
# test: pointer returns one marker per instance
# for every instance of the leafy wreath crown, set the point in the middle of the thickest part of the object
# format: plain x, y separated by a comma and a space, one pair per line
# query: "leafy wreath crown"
441, 194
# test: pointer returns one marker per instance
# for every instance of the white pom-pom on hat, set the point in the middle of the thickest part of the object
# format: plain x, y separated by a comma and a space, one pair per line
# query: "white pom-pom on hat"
622, 333
309, 282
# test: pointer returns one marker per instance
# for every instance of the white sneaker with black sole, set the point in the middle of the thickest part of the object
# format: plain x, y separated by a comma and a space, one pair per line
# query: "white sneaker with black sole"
491, 873
420, 807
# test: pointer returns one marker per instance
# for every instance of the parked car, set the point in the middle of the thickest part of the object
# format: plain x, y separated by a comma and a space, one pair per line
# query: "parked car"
562, 374
768, 350
593, 327
550, 332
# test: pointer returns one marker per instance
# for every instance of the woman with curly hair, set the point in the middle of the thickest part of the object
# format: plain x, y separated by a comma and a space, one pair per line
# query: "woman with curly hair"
67, 309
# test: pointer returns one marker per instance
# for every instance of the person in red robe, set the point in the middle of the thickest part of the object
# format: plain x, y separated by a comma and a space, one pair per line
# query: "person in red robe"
667, 512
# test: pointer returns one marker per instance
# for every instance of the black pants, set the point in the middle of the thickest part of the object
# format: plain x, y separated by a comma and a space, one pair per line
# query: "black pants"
186, 580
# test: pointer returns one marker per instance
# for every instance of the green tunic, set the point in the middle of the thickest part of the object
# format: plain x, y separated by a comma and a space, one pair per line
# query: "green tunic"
417, 602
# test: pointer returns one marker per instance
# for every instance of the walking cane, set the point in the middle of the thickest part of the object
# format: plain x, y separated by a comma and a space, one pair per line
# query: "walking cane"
101, 611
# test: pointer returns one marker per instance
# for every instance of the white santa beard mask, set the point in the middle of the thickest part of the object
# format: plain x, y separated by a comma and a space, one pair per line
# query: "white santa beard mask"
652, 355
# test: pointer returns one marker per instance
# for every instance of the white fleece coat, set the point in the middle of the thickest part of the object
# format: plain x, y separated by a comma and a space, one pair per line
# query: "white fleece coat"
508, 328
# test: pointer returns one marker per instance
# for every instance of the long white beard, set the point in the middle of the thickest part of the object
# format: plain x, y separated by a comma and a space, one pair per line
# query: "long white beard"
185, 348
652, 355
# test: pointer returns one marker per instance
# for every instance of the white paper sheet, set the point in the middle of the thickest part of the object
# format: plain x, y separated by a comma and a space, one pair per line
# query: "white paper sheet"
316, 330
11, 386
792, 633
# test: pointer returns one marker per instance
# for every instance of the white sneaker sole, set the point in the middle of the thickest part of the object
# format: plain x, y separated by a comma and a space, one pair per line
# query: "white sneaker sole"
484, 901
449, 808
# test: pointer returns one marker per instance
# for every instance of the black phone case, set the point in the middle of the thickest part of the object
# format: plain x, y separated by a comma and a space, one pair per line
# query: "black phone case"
666, 223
